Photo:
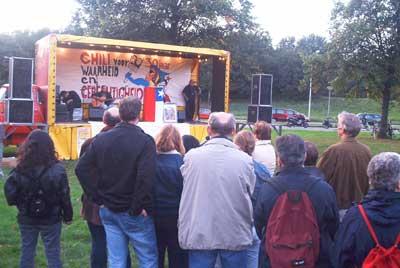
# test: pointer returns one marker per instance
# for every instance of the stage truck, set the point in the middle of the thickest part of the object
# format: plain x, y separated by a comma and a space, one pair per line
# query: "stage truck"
73, 79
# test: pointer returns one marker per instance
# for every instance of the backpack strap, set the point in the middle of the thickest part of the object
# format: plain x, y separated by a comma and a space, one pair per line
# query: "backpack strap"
370, 229
279, 187
311, 185
36, 180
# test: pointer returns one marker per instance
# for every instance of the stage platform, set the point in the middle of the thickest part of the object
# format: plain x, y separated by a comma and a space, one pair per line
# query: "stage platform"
69, 137
199, 130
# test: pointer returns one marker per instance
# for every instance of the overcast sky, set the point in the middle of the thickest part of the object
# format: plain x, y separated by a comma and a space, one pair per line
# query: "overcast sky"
281, 18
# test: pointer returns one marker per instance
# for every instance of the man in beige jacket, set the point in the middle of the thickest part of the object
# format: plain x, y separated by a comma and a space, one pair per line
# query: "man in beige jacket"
216, 213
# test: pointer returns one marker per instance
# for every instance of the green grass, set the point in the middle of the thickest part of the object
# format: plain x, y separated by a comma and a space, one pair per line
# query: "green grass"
75, 237
319, 107
75, 240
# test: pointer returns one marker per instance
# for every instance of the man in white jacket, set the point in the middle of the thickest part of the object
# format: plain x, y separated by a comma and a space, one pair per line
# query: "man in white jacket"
216, 213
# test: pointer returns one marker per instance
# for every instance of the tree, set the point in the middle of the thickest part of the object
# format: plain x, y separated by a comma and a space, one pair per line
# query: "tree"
287, 69
222, 24
251, 52
365, 44
181, 22
312, 44
313, 51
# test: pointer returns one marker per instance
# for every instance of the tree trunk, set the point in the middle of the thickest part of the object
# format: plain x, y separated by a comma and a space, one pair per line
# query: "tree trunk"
382, 134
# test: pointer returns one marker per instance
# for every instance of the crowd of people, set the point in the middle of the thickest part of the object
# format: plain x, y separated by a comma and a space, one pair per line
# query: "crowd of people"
234, 201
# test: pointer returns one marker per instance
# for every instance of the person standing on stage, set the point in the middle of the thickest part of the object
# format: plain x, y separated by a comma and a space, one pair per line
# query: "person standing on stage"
191, 94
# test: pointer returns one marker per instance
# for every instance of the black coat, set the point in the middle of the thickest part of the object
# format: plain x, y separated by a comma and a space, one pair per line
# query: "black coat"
353, 241
123, 161
55, 185
322, 197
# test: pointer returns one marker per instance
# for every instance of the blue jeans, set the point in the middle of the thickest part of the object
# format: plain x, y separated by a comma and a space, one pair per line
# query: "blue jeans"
122, 228
207, 258
252, 251
98, 255
50, 235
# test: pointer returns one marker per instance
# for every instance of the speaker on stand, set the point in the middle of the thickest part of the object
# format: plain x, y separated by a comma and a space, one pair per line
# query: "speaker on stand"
261, 98
20, 103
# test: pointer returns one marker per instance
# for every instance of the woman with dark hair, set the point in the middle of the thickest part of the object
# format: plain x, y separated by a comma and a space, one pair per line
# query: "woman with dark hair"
168, 186
190, 142
38, 186
311, 160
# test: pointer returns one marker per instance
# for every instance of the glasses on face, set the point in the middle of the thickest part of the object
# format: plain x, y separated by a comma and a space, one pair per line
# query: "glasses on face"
152, 71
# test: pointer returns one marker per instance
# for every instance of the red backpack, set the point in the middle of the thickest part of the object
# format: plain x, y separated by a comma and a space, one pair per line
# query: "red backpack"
292, 234
379, 256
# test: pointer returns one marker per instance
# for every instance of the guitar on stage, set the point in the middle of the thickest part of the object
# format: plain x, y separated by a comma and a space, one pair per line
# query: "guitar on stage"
100, 99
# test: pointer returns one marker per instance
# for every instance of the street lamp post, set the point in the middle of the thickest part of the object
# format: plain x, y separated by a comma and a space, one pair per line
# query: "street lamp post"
309, 100
329, 100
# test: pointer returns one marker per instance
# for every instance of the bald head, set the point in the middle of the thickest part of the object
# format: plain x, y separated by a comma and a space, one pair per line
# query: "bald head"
111, 117
221, 123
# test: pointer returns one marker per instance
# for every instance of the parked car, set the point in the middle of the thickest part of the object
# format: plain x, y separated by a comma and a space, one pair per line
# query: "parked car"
368, 119
282, 115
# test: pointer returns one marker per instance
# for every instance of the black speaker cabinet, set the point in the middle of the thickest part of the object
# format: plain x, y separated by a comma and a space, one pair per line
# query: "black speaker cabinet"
252, 113
96, 113
21, 78
261, 89
257, 113
265, 113
20, 111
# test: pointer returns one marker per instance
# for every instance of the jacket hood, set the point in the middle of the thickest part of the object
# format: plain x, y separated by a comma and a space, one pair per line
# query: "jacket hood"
261, 171
383, 206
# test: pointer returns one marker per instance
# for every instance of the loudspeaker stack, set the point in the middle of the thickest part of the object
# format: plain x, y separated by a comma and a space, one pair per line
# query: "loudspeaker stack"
261, 98
20, 101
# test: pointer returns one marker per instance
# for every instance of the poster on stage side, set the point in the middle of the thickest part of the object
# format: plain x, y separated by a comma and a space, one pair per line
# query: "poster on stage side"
82, 134
121, 74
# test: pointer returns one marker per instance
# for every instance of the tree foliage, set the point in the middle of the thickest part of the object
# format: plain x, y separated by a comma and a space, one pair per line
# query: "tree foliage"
365, 47
223, 24
183, 22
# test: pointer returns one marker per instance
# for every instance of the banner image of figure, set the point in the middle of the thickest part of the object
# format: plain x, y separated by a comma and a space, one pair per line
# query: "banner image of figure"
191, 93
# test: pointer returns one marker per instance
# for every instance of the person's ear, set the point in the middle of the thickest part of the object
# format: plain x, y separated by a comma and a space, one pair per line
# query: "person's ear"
279, 161
233, 133
209, 131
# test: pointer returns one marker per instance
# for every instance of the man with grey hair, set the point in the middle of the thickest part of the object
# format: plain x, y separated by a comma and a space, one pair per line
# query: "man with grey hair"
123, 162
382, 208
215, 212
294, 177
344, 164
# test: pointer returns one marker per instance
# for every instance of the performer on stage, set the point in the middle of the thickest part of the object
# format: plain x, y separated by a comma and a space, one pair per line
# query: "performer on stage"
191, 93
102, 98
72, 100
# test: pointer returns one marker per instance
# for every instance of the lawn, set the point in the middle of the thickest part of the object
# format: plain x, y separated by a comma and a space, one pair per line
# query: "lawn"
75, 237
319, 107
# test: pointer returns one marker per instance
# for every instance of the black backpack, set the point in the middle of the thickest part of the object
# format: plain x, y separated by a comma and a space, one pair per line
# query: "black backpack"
37, 204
